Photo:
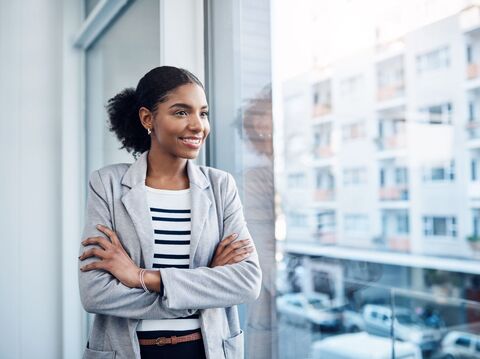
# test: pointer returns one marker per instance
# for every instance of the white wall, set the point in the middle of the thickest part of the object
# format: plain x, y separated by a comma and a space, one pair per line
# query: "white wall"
30, 190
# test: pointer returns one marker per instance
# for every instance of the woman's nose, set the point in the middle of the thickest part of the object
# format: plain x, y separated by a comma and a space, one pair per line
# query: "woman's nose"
196, 122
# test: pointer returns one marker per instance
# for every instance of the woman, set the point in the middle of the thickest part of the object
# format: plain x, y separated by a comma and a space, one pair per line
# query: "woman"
153, 265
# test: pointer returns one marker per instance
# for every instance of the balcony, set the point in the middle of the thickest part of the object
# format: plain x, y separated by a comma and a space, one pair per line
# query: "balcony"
473, 129
398, 242
323, 152
393, 142
321, 110
473, 71
393, 193
389, 92
324, 195
326, 237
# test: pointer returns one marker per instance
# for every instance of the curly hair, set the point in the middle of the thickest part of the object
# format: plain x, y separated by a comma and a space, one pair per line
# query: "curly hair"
152, 89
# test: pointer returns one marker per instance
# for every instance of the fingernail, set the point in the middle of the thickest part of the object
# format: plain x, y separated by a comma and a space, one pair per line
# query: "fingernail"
99, 226
235, 235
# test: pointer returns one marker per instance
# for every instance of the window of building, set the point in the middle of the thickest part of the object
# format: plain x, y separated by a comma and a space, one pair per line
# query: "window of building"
354, 176
439, 172
356, 223
437, 114
436, 226
433, 60
296, 180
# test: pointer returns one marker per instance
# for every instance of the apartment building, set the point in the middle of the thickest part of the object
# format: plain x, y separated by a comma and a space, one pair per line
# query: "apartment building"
389, 142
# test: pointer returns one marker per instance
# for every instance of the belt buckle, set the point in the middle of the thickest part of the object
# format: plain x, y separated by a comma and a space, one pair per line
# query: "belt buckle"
161, 341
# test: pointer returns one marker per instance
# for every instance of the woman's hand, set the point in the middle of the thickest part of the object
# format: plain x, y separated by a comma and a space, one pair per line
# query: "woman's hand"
229, 252
113, 258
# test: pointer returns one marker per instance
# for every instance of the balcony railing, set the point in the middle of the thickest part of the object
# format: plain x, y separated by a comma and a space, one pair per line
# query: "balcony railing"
393, 193
324, 195
326, 237
323, 152
390, 91
321, 110
473, 71
473, 129
398, 243
391, 142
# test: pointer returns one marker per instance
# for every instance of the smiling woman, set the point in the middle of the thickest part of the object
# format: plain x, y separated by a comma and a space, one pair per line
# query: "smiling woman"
156, 270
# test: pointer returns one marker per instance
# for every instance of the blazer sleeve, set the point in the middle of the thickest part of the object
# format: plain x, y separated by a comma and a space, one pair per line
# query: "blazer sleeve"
221, 286
100, 291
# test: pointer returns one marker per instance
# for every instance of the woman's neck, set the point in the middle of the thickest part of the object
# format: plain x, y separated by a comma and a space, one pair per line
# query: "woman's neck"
166, 172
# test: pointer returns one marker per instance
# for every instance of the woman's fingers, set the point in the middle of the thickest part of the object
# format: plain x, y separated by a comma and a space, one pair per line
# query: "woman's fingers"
102, 242
226, 241
94, 252
111, 234
234, 246
239, 255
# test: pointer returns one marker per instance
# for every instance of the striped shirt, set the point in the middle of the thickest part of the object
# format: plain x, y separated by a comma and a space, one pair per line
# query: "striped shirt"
171, 223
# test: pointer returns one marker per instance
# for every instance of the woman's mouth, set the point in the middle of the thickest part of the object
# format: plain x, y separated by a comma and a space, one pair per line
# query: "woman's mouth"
191, 142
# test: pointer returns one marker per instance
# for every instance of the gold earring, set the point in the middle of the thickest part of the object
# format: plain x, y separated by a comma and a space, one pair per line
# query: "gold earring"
149, 131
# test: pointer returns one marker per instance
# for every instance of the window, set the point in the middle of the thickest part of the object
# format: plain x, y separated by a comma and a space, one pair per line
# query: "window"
463, 342
296, 180
434, 226
437, 114
402, 223
474, 167
356, 223
433, 60
441, 172
354, 176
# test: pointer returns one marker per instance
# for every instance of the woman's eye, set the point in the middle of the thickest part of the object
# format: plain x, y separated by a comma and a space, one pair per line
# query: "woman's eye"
181, 113
205, 114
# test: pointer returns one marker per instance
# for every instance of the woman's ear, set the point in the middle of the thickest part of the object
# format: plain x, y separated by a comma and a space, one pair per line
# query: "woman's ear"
146, 117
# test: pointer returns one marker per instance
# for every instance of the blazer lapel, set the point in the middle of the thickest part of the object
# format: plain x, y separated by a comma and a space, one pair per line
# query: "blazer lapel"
135, 202
200, 208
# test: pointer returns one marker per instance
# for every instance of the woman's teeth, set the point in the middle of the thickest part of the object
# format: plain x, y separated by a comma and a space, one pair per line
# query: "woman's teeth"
194, 141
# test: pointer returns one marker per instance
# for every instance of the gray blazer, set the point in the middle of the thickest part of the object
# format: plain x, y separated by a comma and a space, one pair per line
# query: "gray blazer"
117, 199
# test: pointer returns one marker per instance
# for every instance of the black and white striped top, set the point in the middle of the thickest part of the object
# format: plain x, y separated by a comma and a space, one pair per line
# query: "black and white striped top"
171, 222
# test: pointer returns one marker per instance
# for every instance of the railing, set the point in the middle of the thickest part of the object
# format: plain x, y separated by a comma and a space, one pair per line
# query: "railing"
323, 152
390, 91
473, 71
398, 243
473, 129
391, 142
321, 110
324, 195
393, 193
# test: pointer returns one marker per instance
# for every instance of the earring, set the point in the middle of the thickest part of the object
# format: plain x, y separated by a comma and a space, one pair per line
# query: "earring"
149, 131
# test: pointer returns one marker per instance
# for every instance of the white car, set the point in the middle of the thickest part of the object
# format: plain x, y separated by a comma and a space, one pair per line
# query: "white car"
460, 345
362, 346
407, 326
314, 308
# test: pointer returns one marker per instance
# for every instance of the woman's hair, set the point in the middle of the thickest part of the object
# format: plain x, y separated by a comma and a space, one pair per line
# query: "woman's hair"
152, 89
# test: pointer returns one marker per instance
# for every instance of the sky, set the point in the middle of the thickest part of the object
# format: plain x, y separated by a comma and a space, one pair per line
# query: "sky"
316, 32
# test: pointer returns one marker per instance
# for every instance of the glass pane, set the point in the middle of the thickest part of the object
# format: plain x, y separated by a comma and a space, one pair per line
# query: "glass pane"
378, 107
118, 60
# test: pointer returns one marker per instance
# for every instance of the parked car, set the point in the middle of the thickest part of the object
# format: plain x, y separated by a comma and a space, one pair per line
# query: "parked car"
352, 320
407, 326
362, 346
460, 345
314, 308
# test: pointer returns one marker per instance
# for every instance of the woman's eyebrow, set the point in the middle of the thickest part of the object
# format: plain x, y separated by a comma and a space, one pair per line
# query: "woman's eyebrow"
187, 106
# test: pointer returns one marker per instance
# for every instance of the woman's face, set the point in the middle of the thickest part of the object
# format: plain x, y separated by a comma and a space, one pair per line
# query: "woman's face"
180, 124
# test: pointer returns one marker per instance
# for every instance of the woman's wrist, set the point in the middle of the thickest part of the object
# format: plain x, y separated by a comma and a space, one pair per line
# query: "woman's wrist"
152, 280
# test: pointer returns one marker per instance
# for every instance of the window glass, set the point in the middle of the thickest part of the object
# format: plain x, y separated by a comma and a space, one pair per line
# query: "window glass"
118, 60
376, 103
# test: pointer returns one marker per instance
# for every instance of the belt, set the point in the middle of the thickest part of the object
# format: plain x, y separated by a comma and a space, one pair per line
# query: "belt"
171, 340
